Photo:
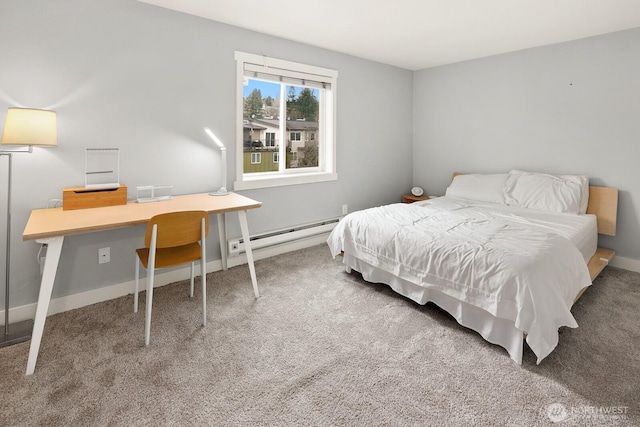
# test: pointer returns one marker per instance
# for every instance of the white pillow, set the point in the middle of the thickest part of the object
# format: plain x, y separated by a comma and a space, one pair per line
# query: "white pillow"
479, 187
565, 193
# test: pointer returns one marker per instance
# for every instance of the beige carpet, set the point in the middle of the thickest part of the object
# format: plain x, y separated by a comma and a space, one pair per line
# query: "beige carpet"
320, 347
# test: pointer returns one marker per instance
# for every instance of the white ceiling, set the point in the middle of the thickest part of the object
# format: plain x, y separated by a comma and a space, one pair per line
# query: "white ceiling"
417, 34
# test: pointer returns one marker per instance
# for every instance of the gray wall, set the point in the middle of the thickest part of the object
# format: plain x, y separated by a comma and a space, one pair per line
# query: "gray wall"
570, 108
146, 80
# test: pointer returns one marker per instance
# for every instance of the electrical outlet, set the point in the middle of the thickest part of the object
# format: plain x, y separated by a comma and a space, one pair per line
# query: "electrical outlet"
344, 209
234, 246
104, 255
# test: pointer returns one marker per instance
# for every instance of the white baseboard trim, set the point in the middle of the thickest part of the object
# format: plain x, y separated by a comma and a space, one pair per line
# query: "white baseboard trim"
82, 299
626, 263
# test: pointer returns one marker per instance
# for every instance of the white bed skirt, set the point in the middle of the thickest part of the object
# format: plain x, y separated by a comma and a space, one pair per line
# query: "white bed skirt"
496, 331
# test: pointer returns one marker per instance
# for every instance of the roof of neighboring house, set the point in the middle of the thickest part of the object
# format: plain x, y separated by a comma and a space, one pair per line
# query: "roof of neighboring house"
253, 126
291, 124
301, 125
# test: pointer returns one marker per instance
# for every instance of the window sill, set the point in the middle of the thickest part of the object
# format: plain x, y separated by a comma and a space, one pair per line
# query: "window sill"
282, 180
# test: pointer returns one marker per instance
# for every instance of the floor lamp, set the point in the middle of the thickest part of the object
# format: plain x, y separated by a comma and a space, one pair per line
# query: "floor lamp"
25, 128
223, 188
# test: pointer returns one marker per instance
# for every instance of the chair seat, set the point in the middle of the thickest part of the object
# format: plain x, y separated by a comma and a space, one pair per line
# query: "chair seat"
170, 257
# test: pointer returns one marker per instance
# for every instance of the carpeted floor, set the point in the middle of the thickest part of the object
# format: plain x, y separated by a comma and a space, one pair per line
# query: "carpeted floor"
320, 347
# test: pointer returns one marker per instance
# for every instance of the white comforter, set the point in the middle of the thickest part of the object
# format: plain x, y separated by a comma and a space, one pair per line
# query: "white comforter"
510, 267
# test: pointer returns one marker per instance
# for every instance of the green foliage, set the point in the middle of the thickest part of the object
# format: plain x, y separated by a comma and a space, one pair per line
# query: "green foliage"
253, 104
308, 155
304, 105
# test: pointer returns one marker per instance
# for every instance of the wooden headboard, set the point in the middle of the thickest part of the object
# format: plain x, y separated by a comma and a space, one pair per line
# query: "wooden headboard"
603, 203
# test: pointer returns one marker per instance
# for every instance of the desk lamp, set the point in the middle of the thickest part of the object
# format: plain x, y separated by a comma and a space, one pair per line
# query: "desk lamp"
223, 189
24, 127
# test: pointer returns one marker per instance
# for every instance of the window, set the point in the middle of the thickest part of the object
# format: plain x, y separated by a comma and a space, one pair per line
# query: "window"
270, 139
290, 103
256, 158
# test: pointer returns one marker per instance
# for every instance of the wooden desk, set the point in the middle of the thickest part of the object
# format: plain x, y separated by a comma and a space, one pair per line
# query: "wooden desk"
50, 226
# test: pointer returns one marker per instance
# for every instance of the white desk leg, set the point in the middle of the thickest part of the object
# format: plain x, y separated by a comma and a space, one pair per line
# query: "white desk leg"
222, 232
46, 286
242, 216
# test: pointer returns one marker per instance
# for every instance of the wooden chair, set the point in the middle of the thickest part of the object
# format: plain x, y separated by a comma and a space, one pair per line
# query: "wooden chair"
173, 239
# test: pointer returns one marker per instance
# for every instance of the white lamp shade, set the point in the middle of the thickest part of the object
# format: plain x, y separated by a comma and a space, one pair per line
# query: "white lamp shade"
28, 126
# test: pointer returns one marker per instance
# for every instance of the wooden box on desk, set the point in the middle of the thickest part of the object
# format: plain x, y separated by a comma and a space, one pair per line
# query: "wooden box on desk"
82, 198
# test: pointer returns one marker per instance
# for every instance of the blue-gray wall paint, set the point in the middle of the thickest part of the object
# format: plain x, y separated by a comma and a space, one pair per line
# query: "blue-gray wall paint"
569, 108
144, 79
125, 74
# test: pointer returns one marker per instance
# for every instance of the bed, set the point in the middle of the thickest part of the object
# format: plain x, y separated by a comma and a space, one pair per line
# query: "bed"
506, 255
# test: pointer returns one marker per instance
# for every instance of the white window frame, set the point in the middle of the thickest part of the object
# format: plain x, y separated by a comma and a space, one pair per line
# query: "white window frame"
326, 170
258, 157
276, 154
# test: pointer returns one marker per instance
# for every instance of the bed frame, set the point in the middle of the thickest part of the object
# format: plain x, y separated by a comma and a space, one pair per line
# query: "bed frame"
603, 203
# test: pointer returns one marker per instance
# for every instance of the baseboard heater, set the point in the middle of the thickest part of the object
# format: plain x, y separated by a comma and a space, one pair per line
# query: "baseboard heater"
285, 235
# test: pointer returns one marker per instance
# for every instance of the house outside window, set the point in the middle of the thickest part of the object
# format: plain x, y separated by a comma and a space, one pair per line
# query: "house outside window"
289, 102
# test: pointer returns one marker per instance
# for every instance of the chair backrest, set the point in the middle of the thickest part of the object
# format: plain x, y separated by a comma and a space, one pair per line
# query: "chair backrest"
177, 228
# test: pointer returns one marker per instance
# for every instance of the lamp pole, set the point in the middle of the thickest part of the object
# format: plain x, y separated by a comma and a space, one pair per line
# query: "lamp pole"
8, 252
23, 127
223, 188
21, 331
